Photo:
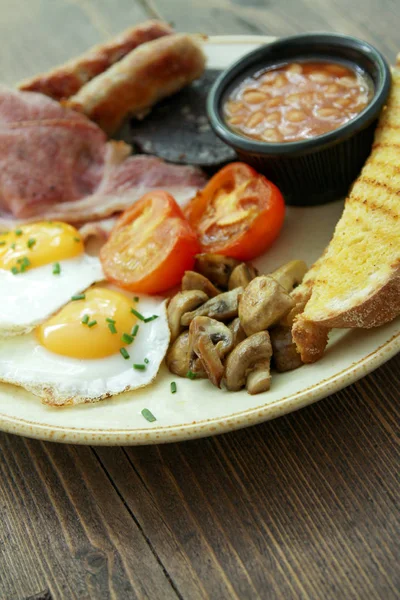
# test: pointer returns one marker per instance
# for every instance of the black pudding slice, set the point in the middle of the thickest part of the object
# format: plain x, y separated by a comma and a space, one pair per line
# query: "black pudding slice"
178, 131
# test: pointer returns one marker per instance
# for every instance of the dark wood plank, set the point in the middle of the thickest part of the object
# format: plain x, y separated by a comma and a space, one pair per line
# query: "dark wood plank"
305, 506
65, 528
40, 34
376, 22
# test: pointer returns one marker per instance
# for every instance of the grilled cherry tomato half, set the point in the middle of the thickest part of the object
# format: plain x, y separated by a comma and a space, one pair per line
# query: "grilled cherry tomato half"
239, 213
151, 246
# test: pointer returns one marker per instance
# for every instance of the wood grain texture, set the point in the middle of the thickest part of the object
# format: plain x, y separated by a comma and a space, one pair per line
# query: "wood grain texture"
373, 21
302, 507
76, 537
39, 34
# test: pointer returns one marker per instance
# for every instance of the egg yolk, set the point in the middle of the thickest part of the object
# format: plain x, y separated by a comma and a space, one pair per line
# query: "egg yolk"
95, 326
38, 244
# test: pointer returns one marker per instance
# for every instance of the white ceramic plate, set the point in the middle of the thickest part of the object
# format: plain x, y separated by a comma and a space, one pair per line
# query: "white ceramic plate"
198, 409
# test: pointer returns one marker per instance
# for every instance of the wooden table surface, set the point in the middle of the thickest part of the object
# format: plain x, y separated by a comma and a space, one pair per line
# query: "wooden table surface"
306, 506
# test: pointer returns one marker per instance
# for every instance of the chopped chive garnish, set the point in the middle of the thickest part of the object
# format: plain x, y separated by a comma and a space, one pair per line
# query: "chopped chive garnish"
148, 415
137, 314
92, 323
25, 263
112, 328
2, 243
18, 232
148, 319
136, 299
173, 387
56, 269
146, 361
124, 353
78, 297
191, 375
76, 239
139, 367
110, 320
85, 320
128, 339
13, 246
50, 222
135, 329
14, 270
31, 242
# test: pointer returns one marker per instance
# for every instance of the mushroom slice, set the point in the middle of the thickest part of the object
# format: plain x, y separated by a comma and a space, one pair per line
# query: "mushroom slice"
181, 303
210, 340
238, 332
216, 268
259, 379
291, 274
223, 307
249, 364
177, 358
180, 360
196, 281
285, 355
263, 303
242, 275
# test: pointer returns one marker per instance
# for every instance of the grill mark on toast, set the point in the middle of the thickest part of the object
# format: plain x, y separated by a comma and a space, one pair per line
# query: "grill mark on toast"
373, 205
385, 145
381, 184
385, 165
393, 104
386, 125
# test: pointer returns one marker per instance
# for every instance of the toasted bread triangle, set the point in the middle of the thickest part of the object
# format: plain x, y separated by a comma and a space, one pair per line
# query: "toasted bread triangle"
357, 281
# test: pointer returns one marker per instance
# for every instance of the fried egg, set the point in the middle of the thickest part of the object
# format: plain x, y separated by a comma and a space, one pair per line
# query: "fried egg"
100, 344
42, 265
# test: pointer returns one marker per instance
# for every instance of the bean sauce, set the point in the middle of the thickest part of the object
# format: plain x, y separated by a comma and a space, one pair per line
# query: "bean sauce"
297, 101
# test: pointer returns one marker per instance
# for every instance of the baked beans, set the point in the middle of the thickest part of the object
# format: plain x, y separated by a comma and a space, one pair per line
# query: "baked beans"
297, 101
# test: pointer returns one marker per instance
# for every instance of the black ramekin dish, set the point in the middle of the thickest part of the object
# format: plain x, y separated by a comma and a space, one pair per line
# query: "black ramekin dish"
319, 169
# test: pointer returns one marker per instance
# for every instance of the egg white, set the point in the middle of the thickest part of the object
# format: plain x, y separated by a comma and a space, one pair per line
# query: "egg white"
60, 380
28, 299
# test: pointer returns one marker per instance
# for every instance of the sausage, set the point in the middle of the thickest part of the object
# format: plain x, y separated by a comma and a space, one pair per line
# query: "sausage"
67, 79
146, 75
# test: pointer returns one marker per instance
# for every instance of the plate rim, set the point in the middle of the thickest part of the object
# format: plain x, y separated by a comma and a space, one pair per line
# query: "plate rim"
215, 425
